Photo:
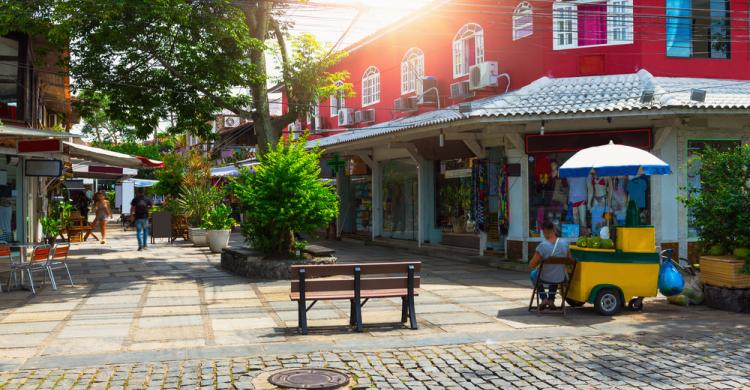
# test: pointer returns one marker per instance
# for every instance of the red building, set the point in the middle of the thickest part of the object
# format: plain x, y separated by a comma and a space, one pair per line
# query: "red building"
543, 79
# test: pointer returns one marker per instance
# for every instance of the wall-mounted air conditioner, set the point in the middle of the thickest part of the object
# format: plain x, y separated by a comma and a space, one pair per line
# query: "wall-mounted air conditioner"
460, 90
346, 117
364, 116
427, 92
405, 103
483, 75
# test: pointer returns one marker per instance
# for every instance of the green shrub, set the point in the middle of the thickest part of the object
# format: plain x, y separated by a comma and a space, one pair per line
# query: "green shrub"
720, 208
195, 201
218, 218
283, 196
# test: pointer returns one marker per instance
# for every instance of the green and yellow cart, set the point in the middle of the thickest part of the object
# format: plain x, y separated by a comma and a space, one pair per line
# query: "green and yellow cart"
608, 278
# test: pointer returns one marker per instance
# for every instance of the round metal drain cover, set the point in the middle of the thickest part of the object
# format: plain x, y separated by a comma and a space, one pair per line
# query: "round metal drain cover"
309, 378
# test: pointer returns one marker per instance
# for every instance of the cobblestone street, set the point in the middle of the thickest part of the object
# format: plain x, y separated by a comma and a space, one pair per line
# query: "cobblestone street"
170, 317
716, 360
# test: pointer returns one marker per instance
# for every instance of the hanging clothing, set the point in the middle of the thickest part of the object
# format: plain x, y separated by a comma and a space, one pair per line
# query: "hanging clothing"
597, 217
503, 212
542, 169
577, 191
479, 184
637, 191
619, 200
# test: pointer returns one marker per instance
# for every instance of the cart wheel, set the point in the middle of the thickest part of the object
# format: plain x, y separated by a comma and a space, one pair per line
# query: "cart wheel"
573, 302
636, 304
608, 302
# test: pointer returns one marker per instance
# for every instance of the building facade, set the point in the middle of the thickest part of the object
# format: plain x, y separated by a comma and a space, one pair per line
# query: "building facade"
463, 112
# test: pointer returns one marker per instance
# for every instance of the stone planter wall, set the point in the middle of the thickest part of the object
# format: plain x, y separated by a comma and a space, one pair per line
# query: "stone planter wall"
730, 299
248, 263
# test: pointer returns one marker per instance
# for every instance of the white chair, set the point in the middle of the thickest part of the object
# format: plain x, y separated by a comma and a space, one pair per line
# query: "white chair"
38, 261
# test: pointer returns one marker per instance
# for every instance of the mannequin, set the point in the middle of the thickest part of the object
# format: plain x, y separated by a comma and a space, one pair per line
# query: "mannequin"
559, 198
577, 197
600, 192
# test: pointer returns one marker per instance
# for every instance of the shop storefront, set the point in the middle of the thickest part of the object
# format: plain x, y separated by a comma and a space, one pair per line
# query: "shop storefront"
356, 198
583, 206
400, 199
11, 185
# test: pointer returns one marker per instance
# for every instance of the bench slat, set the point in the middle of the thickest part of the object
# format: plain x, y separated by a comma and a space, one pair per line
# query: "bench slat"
333, 295
325, 270
347, 285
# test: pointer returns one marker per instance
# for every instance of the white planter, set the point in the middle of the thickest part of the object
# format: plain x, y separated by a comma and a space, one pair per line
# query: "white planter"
218, 240
199, 236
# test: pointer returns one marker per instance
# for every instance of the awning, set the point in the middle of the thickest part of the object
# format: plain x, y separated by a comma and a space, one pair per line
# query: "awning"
232, 170
83, 169
15, 131
110, 158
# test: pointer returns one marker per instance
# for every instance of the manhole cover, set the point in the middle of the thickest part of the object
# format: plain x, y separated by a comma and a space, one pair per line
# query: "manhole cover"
309, 378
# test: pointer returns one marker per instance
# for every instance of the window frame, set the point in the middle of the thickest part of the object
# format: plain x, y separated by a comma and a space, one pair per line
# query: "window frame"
412, 69
523, 10
371, 86
624, 19
461, 55
675, 14
337, 101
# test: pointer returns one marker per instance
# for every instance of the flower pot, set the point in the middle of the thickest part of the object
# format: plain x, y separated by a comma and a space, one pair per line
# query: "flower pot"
724, 271
218, 240
198, 236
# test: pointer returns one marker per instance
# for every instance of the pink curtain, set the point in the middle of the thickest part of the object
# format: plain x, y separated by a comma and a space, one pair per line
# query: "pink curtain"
592, 24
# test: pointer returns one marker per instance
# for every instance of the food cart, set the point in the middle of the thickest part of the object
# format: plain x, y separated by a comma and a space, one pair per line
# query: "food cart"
628, 272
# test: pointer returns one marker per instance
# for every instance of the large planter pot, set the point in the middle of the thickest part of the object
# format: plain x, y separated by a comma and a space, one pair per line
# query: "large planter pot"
198, 236
724, 271
218, 240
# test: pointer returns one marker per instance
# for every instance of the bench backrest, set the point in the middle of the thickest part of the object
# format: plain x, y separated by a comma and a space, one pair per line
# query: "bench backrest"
350, 283
325, 270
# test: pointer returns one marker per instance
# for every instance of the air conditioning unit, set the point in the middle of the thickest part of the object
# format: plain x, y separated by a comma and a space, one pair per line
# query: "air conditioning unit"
346, 117
427, 92
460, 90
364, 116
231, 121
405, 103
482, 75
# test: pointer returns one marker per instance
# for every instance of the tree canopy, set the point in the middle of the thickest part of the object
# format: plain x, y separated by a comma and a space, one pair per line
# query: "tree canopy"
182, 59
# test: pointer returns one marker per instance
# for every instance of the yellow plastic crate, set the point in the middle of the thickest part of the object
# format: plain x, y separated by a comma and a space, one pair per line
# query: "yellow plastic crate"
636, 239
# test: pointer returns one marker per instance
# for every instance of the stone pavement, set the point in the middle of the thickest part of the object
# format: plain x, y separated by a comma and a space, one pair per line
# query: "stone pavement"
173, 303
696, 360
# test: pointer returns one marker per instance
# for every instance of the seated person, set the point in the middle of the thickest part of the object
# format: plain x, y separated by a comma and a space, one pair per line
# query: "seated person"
552, 274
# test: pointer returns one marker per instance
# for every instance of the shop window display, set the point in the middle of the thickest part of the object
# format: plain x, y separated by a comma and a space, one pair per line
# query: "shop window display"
454, 195
582, 206
400, 199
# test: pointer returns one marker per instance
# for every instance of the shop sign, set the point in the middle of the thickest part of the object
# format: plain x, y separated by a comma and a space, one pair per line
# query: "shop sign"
455, 173
39, 146
43, 168
579, 140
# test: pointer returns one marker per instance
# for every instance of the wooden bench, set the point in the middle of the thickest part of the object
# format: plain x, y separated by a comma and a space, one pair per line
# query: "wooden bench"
313, 283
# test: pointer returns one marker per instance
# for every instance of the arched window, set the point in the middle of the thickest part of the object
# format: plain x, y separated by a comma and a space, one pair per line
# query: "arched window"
523, 21
412, 69
371, 86
468, 49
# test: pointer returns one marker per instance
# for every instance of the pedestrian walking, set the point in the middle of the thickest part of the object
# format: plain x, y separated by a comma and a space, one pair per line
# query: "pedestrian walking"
102, 212
139, 207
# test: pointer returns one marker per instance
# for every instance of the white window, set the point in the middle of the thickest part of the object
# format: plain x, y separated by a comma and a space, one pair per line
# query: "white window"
412, 69
564, 29
592, 23
468, 49
337, 101
371, 86
523, 21
620, 21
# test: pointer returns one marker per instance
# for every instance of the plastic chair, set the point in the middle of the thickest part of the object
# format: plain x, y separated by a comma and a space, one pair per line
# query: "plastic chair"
58, 260
562, 287
38, 261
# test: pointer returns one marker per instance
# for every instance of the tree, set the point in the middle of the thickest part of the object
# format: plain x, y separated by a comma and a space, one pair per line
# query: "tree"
93, 108
284, 195
184, 59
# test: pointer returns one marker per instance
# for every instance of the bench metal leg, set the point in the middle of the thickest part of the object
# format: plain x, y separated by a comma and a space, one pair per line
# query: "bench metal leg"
302, 305
404, 310
352, 320
410, 298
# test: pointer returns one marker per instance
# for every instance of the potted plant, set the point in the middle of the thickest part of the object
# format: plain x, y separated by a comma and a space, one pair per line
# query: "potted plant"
194, 202
719, 211
218, 223
51, 227
456, 201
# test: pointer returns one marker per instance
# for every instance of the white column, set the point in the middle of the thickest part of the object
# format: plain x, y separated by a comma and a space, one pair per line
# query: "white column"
517, 199
377, 200
664, 192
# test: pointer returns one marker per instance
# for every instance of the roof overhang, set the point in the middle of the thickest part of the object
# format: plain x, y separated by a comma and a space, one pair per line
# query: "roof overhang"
20, 132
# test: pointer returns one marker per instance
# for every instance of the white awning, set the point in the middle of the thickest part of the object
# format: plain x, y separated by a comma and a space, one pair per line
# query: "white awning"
84, 169
15, 131
109, 157
232, 170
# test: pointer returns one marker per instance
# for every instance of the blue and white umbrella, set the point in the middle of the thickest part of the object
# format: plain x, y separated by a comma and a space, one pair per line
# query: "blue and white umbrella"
613, 160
